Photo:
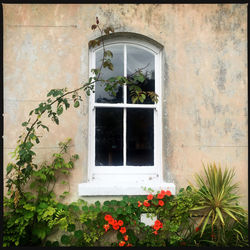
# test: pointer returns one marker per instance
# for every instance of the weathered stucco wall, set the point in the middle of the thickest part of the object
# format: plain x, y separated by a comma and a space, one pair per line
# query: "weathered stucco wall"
204, 100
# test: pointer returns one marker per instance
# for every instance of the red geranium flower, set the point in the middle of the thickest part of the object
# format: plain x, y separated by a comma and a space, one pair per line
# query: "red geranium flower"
168, 193
122, 243
162, 192
156, 227
146, 204
155, 232
150, 197
129, 245
161, 203
116, 226
111, 221
107, 217
123, 230
157, 222
139, 203
106, 227
126, 237
160, 196
120, 223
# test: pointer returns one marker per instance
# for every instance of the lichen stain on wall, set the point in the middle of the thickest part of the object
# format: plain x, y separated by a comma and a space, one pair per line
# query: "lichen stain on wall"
204, 82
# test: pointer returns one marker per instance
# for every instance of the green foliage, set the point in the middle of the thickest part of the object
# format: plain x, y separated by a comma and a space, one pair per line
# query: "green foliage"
218, 201
30, 218
83, 224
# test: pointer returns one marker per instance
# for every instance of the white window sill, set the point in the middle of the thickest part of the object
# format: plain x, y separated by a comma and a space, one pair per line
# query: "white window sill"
95, 188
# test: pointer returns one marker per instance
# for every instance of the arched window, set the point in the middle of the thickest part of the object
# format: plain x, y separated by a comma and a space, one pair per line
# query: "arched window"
125, 141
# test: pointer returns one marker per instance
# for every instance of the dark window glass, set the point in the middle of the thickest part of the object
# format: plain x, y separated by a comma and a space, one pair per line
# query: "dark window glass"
101, 96
137, 59
140, 137
109, 137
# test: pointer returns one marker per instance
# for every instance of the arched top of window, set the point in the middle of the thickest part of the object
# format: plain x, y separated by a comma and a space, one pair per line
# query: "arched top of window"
131, 38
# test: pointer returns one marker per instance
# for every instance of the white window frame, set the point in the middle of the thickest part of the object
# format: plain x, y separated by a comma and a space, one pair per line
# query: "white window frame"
126, 180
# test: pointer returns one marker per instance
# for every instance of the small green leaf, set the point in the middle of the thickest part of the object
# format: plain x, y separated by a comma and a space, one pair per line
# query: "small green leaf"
97, 203
59, 110
105, 208
55, 244
9, 168
78, 234
45, 127
24, 124
71, 227
119, 210
106, 203
85, 208
65, 239
141, 99
76, 104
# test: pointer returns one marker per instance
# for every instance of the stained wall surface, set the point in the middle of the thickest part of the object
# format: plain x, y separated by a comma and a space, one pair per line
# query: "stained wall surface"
204, 96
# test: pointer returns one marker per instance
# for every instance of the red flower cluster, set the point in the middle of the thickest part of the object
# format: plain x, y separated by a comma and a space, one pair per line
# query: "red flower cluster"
116, 226
122, 243
163, 193
126, 237
114, 223
146, 203
159, 196
157, 226
106, 227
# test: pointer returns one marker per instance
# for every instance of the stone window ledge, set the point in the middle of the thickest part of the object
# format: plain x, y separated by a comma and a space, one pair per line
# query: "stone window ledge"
126, 188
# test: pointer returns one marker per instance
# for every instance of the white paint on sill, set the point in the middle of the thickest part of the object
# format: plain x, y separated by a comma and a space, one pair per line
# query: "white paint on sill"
95, 188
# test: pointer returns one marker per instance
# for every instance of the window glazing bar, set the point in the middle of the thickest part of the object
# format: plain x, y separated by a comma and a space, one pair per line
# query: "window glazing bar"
125, 110
127, 105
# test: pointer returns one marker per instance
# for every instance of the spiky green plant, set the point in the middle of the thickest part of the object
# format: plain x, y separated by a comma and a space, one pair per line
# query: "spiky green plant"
218, 199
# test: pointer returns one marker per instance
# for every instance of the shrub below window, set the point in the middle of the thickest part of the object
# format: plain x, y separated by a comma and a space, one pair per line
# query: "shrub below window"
30, 218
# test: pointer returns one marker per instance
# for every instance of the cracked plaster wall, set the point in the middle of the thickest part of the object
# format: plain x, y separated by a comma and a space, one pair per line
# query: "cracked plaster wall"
204, 94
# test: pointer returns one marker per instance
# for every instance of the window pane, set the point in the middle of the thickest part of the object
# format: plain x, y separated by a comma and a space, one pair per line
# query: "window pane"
138, 58
101, 96
109, 137
140, 137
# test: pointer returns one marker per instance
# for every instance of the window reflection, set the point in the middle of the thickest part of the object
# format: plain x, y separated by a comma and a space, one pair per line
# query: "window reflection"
138, 58
101, 96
